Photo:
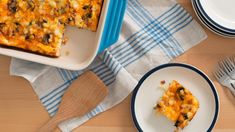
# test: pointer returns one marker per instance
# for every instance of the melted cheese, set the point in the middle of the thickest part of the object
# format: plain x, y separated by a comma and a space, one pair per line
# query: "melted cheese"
38, 25
178, 105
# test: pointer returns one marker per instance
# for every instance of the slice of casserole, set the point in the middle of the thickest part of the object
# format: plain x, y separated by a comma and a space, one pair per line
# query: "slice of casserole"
178, 105
23, 27
38, 25
80, 13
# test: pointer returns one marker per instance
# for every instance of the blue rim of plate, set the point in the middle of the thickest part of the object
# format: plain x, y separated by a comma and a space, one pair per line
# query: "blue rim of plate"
211, 20
174, 65
208, 24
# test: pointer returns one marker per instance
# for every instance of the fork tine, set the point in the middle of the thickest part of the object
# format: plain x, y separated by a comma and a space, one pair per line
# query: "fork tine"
217, 76
230, 63
220, 73
223, 73
220, 65
227, 65
223, 67
232, 58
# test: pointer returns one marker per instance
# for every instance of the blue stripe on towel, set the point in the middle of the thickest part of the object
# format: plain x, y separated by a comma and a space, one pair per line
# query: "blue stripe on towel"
150, 26
146, 13
141, 33
145, 36
124, 44
60, 74
171, 38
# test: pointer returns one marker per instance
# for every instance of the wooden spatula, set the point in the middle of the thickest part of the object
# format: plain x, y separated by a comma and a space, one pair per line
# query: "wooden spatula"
84, 94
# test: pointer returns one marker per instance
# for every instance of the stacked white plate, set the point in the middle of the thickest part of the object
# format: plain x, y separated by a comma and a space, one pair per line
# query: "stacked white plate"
217, 15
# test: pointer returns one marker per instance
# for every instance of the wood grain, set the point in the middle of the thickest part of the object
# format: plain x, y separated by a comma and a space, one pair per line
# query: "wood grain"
21, 111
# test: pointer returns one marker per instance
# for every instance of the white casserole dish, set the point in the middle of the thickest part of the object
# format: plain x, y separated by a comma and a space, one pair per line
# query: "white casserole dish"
83, 45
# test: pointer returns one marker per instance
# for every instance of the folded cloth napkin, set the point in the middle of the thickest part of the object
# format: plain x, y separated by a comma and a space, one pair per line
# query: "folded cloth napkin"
154, 32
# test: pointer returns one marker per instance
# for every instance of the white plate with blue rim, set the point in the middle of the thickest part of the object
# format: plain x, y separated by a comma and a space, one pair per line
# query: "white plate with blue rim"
147, 93
219, 13
209, 24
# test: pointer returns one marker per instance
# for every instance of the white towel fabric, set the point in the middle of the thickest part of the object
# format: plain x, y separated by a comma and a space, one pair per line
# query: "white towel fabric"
154, 32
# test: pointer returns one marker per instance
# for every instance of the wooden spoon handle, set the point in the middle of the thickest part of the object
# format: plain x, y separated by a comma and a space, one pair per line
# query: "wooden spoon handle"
51, 125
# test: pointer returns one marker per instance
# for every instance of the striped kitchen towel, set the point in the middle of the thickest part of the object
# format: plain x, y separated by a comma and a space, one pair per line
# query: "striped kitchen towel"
154, 32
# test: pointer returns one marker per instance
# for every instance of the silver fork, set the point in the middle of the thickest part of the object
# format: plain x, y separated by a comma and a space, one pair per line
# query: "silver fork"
225, 73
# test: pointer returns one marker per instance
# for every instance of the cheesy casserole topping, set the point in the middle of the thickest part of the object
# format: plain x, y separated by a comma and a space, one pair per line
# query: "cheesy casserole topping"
38, 25
178, 105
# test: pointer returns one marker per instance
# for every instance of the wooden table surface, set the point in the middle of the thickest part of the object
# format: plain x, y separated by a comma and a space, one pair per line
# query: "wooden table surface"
21, 111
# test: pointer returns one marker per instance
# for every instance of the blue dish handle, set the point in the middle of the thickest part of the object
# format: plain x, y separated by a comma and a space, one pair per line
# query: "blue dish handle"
113, 23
